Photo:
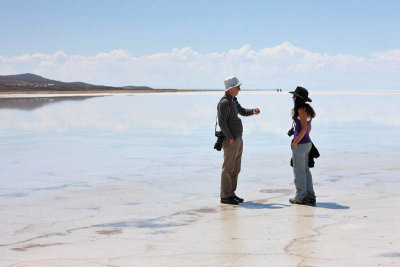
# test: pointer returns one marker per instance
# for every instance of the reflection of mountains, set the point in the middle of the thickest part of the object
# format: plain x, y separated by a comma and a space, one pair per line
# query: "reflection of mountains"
31, 103
30, 82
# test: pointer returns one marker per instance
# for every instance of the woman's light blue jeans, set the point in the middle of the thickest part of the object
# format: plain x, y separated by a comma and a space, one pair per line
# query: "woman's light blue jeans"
302, 174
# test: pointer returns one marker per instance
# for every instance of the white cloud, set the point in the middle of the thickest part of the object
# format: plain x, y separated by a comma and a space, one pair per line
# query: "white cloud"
282, 66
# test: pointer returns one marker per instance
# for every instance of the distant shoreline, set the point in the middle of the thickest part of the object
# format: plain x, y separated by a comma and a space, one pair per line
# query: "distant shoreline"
55, 93
52, 92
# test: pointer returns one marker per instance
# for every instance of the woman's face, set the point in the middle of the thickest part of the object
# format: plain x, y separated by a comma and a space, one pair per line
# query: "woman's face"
294, 98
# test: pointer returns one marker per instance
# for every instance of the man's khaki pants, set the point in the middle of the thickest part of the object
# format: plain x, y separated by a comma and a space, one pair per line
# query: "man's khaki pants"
231, 166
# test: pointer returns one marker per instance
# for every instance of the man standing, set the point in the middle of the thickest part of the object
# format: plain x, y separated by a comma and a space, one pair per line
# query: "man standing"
231, 126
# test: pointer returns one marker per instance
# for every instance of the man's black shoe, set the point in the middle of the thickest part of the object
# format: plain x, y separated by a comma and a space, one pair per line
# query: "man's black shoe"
229, 200
241, 200
295, 201
311, 200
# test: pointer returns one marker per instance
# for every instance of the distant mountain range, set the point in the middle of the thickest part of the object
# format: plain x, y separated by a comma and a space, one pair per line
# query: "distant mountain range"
30, 83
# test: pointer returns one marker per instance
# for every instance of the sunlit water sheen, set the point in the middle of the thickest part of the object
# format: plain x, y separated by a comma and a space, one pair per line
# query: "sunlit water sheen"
154, 137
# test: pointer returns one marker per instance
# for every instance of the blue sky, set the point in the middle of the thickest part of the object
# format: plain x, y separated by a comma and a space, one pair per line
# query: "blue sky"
139, 29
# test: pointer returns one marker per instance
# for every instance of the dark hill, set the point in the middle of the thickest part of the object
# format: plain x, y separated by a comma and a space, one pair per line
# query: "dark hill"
26, 77
31, 82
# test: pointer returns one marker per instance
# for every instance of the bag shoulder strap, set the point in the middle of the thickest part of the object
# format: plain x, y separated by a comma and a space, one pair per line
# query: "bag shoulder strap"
229, 106
229, 112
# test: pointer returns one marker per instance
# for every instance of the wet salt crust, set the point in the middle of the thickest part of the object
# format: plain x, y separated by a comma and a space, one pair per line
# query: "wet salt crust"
132, 180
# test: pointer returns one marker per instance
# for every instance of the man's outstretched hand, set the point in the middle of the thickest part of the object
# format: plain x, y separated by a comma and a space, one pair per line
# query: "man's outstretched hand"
256, 111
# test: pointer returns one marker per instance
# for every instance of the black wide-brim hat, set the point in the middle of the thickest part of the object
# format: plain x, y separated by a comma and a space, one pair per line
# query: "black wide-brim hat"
302, 93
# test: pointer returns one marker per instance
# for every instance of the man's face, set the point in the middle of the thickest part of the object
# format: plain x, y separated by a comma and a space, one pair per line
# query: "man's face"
235, 91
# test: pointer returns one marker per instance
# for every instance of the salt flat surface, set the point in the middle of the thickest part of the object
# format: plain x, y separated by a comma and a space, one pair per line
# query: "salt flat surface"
132, 180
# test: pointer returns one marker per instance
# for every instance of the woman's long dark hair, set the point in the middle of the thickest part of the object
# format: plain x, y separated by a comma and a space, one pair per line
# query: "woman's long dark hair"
300, 103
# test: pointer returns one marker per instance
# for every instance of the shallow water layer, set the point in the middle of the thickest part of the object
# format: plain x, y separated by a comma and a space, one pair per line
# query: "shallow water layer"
91, 140
117, 169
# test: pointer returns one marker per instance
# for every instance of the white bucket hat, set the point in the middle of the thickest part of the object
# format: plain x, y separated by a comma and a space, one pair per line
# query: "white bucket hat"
231, 82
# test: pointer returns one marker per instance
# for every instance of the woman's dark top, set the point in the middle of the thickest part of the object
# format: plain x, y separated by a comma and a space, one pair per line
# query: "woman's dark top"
306, 139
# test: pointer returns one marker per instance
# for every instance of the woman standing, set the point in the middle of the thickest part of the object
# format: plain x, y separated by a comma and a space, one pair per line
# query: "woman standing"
302, 115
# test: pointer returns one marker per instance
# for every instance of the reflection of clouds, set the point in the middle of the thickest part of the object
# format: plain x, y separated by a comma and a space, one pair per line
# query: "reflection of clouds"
378, 109
116, 114
196, 112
